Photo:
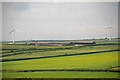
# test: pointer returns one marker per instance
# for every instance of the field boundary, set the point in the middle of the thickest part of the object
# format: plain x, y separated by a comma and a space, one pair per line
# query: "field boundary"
80, 70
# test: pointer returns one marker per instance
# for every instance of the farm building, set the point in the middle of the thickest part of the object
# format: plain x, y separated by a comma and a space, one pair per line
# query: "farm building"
60, 43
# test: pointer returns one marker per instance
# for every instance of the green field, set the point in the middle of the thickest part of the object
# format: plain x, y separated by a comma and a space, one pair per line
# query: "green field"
90, 61
86, 61
62, 74
23, 51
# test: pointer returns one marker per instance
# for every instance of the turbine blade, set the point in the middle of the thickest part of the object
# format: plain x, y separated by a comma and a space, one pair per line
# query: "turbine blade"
11, 31
108, 27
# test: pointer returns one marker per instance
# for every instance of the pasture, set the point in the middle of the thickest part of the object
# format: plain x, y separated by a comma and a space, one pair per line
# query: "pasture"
85, 61
61, 74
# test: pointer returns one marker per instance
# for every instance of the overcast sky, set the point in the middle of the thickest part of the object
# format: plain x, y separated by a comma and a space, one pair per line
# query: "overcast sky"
59, 20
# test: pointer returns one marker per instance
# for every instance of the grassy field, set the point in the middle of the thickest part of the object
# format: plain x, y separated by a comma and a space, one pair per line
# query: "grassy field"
90, 61
86, 61
17, 51
62, 74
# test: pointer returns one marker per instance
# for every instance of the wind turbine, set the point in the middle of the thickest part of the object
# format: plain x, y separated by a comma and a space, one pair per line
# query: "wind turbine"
13, 31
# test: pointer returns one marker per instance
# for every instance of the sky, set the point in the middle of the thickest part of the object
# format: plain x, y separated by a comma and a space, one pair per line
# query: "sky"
59, 20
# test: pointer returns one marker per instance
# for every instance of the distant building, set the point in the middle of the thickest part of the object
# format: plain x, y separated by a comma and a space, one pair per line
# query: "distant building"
60, 43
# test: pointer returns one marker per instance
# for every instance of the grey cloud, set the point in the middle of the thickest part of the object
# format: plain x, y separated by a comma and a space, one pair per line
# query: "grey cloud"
15, 6
60, 20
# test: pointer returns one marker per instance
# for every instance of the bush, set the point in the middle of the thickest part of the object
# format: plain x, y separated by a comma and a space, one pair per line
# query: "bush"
11, 51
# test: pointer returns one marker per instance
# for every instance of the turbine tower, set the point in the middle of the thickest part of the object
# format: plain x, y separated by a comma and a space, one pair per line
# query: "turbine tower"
109, 27
110, 32
13, 31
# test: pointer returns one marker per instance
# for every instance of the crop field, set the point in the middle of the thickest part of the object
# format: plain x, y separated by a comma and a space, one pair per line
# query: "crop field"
85, 61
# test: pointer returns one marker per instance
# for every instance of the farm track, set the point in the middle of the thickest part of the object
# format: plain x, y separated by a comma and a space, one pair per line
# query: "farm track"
59, 56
